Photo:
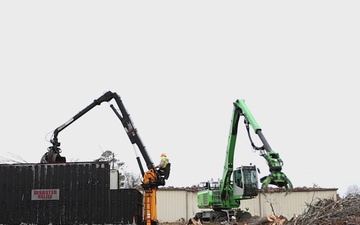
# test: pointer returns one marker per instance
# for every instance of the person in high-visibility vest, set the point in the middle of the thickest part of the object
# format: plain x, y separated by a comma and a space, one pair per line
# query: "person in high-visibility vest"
163, 163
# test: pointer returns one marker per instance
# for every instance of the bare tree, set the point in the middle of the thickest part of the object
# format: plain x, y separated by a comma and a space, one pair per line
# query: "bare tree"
129, 179
132, 180
353, 190
13, 159
109, 156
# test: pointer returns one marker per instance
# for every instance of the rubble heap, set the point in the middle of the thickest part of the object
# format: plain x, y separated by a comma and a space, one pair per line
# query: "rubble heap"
344, 211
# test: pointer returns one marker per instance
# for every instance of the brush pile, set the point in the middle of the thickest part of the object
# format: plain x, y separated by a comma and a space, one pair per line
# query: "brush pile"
344, 211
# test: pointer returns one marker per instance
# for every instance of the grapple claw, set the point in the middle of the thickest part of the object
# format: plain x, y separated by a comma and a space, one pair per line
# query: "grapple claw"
278, 179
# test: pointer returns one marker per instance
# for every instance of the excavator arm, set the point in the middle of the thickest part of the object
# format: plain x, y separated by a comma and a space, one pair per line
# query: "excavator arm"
275, 163
151, 178
53, 153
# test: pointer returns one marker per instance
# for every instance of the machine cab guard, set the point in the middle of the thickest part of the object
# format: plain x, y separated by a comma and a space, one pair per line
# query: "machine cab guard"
167, 171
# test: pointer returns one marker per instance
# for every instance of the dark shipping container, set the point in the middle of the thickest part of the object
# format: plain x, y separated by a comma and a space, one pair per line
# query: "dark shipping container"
66, 193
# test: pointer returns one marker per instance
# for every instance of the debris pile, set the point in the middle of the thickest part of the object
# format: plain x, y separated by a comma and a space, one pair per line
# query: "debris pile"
345, 211
268, 220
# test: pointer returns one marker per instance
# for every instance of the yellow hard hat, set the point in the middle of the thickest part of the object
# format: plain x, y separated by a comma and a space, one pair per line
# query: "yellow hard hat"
163, 155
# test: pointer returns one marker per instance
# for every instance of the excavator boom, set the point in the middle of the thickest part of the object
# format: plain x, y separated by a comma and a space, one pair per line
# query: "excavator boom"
275, 163
151, 178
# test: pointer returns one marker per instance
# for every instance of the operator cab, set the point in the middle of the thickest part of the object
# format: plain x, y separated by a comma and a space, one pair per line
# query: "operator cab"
245, 182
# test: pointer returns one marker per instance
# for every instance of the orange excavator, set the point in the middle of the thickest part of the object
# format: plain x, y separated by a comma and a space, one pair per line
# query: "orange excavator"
152, 179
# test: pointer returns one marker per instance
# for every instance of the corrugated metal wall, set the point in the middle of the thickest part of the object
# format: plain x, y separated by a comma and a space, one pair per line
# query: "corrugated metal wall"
288, 206
176, 204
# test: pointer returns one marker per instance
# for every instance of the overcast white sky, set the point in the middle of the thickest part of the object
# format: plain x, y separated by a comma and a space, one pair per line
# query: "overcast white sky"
179, 66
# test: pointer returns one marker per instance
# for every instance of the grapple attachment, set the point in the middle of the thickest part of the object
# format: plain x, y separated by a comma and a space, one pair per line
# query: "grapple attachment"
276, 177
52, 156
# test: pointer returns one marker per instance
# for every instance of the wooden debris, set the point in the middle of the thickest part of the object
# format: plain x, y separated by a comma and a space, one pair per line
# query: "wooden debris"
345, 211
268, 220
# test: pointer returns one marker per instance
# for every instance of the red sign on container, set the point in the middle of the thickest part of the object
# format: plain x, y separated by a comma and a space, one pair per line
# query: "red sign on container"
45, 194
